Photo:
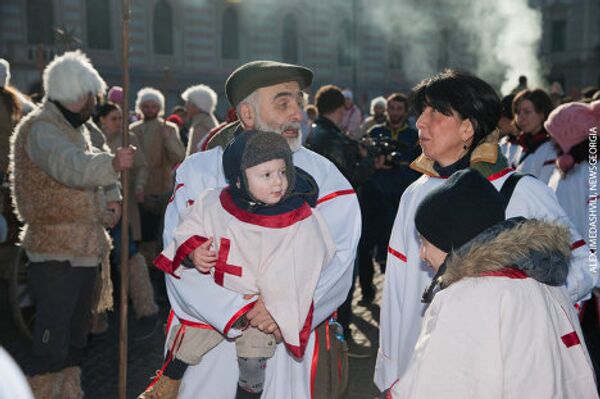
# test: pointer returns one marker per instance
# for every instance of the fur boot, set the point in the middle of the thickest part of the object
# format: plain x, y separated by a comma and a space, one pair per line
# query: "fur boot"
46, 386
141, 291
162, 388
71, 386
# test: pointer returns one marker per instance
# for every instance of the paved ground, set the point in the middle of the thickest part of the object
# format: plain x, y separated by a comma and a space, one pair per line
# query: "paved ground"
100, 371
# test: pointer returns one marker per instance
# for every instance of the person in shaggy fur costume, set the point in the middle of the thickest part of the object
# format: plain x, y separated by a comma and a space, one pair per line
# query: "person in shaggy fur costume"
56, 182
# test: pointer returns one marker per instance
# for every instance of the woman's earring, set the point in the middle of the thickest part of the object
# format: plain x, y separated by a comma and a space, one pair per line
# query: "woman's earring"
465, 146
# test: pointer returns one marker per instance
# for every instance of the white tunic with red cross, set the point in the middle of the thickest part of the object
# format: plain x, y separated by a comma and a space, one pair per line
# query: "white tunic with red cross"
279, 257
406, 276
195, 297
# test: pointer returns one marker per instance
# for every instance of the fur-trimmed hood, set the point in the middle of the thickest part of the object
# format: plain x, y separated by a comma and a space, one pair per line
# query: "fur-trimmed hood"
540, 249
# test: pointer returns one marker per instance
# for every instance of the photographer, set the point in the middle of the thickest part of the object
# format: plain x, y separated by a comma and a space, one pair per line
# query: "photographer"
355, 163
399, 144
327, 139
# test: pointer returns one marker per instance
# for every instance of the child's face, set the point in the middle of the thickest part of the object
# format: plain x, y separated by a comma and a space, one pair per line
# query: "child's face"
267, 181
431, 254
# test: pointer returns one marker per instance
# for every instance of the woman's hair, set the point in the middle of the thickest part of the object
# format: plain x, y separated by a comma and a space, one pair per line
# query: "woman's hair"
542, 103
467, 95
103, 110
10, 99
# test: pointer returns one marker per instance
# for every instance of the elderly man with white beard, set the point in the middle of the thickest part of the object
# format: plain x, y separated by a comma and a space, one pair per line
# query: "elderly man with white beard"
267, 95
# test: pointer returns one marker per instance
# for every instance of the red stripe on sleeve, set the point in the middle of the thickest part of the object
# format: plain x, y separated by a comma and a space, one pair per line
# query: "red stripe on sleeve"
334, 195
397, 254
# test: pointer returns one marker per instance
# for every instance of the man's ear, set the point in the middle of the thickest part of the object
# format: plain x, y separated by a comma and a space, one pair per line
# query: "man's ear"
247, 116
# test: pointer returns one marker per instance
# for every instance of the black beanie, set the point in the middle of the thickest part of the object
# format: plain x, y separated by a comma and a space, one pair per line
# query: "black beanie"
455, 212
253, 147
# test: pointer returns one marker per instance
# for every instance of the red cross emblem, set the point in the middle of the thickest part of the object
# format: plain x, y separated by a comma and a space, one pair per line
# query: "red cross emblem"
222, 266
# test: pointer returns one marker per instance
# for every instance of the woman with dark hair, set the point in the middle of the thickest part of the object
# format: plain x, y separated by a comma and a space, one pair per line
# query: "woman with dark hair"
458, 115
536, 154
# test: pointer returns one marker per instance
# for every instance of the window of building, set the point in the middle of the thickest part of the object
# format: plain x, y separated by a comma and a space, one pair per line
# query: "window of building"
98, 24
290, 39
163, 28
40, 21
230, 40
345, 40
558, 35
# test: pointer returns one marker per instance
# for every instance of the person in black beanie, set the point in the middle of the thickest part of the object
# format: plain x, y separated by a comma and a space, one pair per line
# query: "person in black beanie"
497, 281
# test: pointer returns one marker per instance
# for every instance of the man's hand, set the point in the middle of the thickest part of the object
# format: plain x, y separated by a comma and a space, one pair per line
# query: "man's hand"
115, 208
123, 158
260, 318
139, 195
203, 257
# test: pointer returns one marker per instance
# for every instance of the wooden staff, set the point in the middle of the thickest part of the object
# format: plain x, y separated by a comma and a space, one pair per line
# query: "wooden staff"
125, 214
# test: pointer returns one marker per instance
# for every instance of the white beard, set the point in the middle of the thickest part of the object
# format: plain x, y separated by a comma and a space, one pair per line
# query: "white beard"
294, 142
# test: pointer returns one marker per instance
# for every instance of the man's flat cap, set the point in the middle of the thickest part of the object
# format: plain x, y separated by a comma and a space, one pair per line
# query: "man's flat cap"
256, 74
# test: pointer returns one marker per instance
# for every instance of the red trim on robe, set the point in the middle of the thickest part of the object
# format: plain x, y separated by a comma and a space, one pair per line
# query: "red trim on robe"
388, 395
314, 364
397, 254
245, 309
334, 195
498, 175
570, 339
577, 244
168, 266
177, 187
298, 350
509, 272
273, 221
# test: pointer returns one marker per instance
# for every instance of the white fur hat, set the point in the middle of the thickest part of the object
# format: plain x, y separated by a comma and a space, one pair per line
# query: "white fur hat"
378, 101
4, 72
70, 77
149, 94
202, 97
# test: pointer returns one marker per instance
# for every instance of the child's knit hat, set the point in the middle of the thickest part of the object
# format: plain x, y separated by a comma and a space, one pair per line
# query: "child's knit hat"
254, 147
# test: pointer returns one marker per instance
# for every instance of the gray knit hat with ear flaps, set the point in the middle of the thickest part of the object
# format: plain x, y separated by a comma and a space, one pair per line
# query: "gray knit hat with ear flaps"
259, 147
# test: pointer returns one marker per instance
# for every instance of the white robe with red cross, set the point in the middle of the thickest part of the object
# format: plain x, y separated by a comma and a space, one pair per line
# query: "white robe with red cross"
196, 297
278, 257
406, 276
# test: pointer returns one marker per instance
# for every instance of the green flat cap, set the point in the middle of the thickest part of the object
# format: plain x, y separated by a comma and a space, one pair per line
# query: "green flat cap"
256, 74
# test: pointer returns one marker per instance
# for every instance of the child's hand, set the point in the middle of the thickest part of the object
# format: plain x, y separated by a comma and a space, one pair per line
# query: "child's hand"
203, 257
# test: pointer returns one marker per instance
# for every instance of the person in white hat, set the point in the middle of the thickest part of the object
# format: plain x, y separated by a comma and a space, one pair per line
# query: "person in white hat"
200, 104
352, 118
164, 149
56, 182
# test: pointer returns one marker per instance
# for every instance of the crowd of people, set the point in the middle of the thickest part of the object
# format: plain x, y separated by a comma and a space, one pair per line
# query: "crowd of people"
475, 207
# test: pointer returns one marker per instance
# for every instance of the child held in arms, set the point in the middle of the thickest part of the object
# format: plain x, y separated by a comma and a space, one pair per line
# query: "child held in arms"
259, 236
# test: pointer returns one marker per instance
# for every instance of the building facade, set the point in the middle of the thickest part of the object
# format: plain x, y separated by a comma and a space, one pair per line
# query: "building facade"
176, 43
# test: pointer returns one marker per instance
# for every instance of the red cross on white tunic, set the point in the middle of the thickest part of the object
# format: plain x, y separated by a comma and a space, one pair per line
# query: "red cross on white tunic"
222, 266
